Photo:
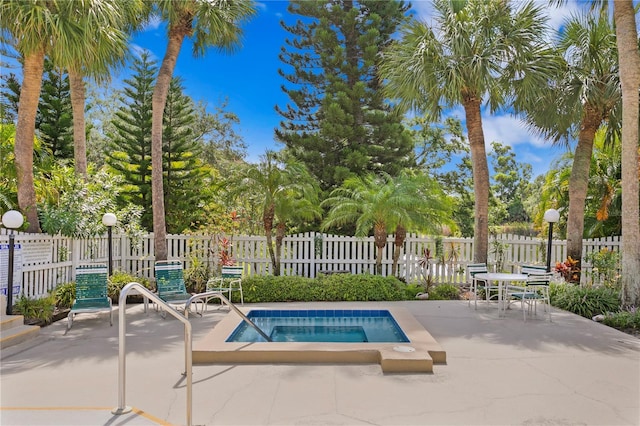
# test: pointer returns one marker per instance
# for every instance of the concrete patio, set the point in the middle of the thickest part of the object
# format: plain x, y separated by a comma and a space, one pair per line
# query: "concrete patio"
499, 371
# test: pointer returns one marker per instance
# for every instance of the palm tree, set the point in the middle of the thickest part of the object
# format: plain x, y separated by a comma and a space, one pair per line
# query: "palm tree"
583, 96
384, 204
98, 54
473, 55
286, 190
627, 40
213, 23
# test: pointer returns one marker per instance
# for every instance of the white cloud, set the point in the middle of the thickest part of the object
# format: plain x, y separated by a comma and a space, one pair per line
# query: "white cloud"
138, 50
153, 23
508, 130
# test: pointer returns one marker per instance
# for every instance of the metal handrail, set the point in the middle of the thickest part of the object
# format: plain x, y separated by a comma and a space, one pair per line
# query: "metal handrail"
226, 301
122, 408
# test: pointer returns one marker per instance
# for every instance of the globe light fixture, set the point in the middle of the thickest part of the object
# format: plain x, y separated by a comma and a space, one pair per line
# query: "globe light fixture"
109, 220
11, 220
552, 216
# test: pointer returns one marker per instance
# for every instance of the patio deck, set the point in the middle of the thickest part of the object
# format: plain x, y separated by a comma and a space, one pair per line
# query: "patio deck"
498, 372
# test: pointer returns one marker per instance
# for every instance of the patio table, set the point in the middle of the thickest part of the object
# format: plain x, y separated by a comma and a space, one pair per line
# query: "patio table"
501, 278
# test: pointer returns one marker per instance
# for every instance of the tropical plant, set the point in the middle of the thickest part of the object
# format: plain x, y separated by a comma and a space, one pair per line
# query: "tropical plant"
64, 295
445, 292
474, 52
382, 204
286, 191
209, 24
586, 301
579, 99
605, 267
38, 310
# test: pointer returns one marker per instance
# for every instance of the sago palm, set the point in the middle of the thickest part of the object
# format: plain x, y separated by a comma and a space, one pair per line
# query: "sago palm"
209, 23
471, 55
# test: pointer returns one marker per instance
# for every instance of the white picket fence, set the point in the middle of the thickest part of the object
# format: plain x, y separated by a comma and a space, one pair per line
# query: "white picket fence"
51, 260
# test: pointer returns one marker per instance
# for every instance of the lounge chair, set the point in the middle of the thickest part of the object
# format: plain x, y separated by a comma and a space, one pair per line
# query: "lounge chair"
230, 280
91, 292
170, 283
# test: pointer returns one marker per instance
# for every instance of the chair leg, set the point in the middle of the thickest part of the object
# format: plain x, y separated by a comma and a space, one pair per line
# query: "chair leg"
69, 320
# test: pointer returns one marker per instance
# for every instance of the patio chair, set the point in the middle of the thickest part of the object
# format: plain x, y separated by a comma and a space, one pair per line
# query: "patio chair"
473, 269
535, 289
91, 292
170, 283
230, 280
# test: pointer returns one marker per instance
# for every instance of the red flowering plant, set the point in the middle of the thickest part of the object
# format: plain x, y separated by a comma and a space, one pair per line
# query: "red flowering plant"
569, 270
224, 255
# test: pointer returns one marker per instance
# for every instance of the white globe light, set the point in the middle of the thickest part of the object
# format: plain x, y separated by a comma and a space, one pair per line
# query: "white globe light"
12, 219
109, 219
552, 216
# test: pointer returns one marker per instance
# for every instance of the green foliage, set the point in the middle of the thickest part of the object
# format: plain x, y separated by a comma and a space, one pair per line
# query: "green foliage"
445, 292
337, 122
120, 279
510, 185
64, 295
329, 288
40, 310
585, 301
196, 276
624, 320
54, 120
412, 289
605, 267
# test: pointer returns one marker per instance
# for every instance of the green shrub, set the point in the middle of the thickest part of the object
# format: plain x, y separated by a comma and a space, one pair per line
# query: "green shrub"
329, 288
196, 276
412, 290
584, 301
40, 310
444, 292
119, 279
64, 295
624, 320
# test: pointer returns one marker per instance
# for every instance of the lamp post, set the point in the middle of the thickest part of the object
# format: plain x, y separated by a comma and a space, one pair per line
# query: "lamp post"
11, 220
109, 220
551, 216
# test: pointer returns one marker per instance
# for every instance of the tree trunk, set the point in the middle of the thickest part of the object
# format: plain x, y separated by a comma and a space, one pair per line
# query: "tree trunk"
159, 99
280, 229
480, 179
579, 183
629, 63
25, 134
267, 221
401, 236
76, 84
380, 240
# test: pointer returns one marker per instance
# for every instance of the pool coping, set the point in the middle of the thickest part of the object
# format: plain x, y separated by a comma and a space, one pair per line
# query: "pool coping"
392, 357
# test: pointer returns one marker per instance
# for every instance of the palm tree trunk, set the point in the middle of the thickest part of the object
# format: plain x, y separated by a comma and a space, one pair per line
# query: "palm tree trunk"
380, 240
76, 84
267, 221
480, 178
159, 101
280, 230
401, 236
579, 182
629, 63
25, 134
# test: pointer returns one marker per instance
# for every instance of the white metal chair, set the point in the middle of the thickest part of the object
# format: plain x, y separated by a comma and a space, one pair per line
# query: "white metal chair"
230, 280
536, 289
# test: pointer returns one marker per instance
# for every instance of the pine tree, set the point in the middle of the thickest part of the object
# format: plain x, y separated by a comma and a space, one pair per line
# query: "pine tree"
129, 149
338, 122
9, 98
182, 166
54, 119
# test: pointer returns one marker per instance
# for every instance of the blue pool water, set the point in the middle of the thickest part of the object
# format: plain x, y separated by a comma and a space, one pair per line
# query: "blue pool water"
344, 326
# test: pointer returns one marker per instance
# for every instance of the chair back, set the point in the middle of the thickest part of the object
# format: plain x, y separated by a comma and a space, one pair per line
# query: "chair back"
477, 268
533, 270
169, 277
91, 281
233, 272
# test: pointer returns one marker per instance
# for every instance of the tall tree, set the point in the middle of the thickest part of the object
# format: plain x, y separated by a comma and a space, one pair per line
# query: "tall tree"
629, 57
183, 169
54, 120
510, 183
578, 100
129, 148
59, 29
472, 54
338, 122
210, 24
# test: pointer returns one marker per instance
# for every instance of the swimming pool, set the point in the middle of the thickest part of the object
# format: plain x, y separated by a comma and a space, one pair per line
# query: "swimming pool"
415, 355
336, 326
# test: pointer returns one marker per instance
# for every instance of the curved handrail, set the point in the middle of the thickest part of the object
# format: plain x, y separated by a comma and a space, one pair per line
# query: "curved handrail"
122, 408
227, 302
